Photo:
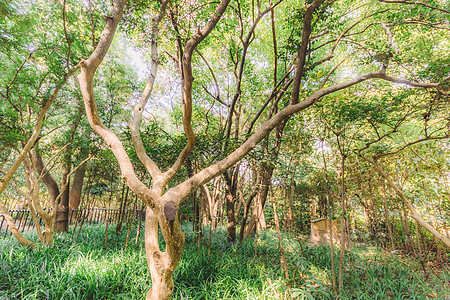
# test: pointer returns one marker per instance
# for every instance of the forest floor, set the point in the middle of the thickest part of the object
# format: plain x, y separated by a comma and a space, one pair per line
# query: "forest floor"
84, 268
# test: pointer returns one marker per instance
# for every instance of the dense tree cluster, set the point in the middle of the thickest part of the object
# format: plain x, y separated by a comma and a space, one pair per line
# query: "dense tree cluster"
252, 113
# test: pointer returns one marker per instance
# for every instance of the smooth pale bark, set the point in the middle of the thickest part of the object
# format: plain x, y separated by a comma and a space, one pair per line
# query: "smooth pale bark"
12, 227
161, 208
62, 209
33, 197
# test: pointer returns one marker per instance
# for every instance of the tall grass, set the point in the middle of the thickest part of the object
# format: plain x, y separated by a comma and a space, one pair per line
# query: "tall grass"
85, 269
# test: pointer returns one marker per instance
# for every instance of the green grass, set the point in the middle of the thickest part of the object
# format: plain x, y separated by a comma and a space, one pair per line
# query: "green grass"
85, 269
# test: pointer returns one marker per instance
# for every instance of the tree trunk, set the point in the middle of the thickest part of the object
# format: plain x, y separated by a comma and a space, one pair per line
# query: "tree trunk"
77, 186
244, 218
343, 238
280, 244
61, 221
230, 198
123, 207
386, 215
258, 220
330, 218
231, 217
162, 264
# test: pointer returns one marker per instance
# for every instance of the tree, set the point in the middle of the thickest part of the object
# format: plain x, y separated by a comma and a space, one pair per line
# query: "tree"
326, 25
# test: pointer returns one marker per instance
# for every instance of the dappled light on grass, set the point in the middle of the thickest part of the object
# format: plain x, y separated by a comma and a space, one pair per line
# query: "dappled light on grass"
85, 269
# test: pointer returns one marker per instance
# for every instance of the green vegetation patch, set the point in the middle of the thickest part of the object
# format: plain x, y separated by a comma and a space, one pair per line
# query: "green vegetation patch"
85, 269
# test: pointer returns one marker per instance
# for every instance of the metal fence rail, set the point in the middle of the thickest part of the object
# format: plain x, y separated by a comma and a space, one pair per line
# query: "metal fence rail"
88, 215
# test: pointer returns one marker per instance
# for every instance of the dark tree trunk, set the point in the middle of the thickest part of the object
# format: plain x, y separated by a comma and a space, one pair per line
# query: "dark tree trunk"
123, 207
230, 198
258, 221
77, 186
49, 181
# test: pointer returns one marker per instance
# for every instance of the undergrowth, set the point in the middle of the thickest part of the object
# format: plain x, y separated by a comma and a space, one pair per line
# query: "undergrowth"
85, 269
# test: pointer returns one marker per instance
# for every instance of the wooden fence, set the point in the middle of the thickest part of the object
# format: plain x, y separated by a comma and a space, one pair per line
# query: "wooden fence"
23, 219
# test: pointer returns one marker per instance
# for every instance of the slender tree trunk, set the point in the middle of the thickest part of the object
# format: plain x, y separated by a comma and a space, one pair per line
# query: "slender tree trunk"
107, 225
244, 218
231, 217
62, 212
330, 219
343, 238
230, 198
123, 207
280, 244
258, 221
386, 215
416, 216
139, 225
130, 219
290, 221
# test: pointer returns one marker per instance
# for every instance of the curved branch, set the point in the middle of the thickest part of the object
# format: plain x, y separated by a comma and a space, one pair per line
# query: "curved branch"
37, 129
193, 183
86, 79
135, 123
188, 80
416, 216
246, 44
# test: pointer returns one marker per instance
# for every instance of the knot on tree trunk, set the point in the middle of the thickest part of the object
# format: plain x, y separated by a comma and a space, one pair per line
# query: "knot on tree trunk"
162, 262
170, 210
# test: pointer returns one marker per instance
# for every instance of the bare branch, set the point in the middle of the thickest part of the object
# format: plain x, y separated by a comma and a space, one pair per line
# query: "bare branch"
187, 86
135, 123
86, 79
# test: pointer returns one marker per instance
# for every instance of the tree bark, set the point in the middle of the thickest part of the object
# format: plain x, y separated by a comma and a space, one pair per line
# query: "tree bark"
386, 215
61, 220
343, 237
162, 264
330, 218
280, 244
77, 187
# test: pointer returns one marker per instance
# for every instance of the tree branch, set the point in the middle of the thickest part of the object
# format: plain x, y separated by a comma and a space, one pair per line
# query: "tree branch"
193, 183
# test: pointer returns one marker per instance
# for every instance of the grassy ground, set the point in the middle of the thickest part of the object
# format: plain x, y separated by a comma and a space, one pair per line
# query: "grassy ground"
85, 269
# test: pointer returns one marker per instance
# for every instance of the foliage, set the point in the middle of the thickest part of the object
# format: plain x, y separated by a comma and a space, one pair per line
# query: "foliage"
85, 269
